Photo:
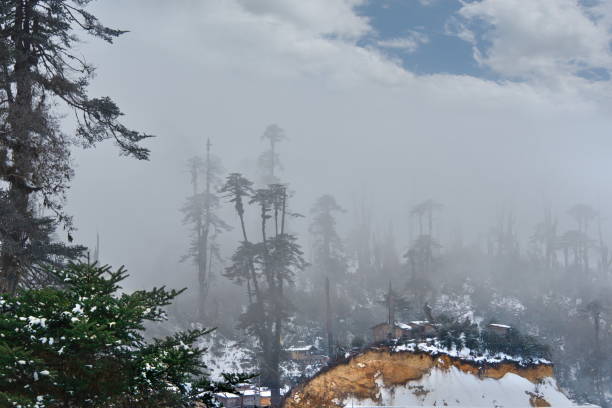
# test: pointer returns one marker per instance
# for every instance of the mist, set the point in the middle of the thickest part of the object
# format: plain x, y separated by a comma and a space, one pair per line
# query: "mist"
388, 140
320, 170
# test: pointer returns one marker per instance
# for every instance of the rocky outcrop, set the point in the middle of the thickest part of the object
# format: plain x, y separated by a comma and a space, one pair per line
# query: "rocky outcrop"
383, 377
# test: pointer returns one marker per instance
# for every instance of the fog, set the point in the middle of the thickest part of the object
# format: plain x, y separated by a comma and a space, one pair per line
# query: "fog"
326, 180
359, 126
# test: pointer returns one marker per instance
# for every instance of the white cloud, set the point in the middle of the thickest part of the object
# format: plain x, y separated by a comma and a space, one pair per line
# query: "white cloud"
409, 43
540, 39
284, 38
355, 118
330, 17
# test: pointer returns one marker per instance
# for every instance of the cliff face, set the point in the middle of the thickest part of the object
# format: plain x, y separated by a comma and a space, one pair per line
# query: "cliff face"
385, 378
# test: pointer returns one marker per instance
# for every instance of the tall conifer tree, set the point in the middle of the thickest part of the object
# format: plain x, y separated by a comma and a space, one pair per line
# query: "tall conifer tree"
200, 212
40, 73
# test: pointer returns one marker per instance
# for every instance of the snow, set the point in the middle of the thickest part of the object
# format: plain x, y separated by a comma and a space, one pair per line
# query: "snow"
247, 393
419, 322
508, 303
433, 347
460, 306
453, 387
304, 348
226, 395
501, 326
225, 355
403, 326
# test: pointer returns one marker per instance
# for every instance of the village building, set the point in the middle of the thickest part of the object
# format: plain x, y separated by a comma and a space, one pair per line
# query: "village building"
246, 396
417, 329
384, 331
265, 397
499, 329
307, 355
228, 399
301, 353
423, 328
250, 398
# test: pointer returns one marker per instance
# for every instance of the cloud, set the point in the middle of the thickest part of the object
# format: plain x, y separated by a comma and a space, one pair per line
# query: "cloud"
539, 39
284, 38
223, 69
409, 43
329, 17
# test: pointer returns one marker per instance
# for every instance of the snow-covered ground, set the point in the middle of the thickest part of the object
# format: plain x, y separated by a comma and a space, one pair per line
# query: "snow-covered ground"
432, 346
453, 387
229, 356
226, 356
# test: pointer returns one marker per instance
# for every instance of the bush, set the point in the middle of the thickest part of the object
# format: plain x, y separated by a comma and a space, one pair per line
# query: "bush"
458, 334
82, 345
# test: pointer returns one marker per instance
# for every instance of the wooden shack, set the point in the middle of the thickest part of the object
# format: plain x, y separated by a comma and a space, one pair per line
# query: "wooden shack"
265, 397
246, 396
383, 331
423, 328
301, 353
499, 329
251, 398
229, 400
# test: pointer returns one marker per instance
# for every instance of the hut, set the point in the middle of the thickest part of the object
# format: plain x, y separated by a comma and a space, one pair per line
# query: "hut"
265, 397
301, 353
229, 400
499, 329
423, 328
384, 331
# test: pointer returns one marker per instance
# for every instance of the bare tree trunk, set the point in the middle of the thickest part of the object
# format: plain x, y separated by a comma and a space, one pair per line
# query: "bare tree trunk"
391, 311
330, 334
20, 110
204, 277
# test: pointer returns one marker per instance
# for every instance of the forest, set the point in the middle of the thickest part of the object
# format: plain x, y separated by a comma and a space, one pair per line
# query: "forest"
260, 254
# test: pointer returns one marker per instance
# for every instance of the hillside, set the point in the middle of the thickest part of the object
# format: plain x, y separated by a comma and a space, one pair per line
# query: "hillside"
387, 376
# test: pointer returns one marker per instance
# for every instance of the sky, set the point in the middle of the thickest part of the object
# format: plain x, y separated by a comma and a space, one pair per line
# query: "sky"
482, 105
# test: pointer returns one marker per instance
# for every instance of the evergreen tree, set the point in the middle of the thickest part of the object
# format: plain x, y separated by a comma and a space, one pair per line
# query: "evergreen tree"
386, 260
583, 215
82, 346
360, 242
268, 266
40, 72
421, 254
328, 251
200, 212
269, 161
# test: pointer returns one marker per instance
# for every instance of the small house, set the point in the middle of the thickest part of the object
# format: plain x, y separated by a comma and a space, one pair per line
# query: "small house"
423, 328
229, 400
307, 355
246, 396
251, 398
499, 329
265, 397
384, 331
301, 353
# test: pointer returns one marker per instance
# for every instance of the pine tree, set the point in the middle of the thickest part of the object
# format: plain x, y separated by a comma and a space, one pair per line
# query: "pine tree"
41, 73
200, 212
269, 161
83, 346
328, 251
268, 267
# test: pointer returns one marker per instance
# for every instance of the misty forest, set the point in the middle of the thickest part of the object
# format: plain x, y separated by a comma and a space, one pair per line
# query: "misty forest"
332, 203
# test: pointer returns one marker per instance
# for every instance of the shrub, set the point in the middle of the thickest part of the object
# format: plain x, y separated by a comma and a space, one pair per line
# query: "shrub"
82, 345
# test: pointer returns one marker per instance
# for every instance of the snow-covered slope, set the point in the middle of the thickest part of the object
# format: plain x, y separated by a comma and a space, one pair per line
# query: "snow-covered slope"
454, 387
384, 377
226, 356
